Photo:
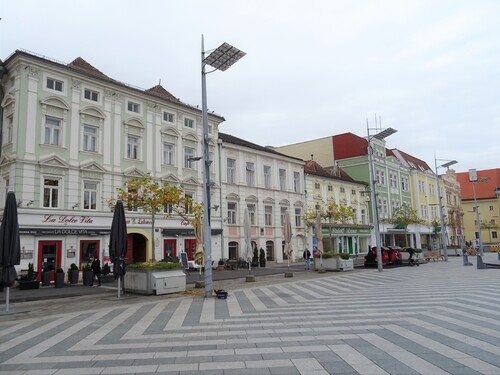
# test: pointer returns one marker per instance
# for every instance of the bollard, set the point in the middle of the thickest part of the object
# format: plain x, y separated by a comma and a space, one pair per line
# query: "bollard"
480, 264
466, 260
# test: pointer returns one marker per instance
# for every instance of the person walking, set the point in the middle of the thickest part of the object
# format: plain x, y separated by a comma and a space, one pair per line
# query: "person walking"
307, 258
96, 271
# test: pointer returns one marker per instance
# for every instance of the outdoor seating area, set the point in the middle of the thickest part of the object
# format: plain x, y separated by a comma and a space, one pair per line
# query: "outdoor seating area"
433, 255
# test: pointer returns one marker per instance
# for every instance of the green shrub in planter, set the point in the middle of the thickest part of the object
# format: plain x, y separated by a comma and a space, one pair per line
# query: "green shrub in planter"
73, 274
344, 256
29, 280
330, 254
262, 257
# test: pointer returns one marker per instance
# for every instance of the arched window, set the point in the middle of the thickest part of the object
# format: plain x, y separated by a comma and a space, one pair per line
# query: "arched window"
233, 250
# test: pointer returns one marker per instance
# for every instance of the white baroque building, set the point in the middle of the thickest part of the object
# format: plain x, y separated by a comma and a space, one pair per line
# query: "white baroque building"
71, 137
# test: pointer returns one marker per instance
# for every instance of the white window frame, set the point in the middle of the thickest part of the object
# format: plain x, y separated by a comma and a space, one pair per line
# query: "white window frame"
268, 215
168, 117
267, 176
250, 174
251, 213
189, 155
53, 192
296, 182
9, 127
231, 213
298, 217
133, 107
133, 147
231, 170
93, 95
90, 139
90, 195
282, 177
53, 83
168, 156
188, 122
52, 133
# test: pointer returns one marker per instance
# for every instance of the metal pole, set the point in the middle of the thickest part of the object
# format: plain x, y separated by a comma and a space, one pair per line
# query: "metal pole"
477, 220
443, 227
207, 231
374, 203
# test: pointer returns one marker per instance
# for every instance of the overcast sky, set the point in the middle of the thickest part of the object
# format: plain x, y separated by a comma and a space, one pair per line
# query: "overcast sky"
430, 69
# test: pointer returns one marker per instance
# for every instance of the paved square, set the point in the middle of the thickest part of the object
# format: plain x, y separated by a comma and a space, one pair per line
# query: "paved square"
440, 318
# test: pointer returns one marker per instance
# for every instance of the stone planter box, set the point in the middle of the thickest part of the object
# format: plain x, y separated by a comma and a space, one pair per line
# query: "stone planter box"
87, 277
46, 277
329, 264
59, 279
151, 281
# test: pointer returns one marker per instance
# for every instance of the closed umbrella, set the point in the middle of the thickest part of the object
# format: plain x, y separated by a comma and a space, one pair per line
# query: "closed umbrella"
248, 250
287, 234
319, 237
118, 243
199, 256
10, 250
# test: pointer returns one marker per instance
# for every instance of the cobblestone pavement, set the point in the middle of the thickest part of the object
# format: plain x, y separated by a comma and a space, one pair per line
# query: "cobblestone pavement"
440, 318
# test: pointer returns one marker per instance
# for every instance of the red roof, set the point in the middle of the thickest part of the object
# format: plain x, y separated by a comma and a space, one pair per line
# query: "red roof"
348, 145
160, 91
81, 64
484, 190
413, 162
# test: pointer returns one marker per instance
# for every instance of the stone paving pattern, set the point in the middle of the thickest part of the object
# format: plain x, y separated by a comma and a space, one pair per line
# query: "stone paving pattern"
439, 318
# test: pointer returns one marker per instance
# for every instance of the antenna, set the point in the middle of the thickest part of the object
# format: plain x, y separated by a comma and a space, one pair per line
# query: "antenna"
159, 82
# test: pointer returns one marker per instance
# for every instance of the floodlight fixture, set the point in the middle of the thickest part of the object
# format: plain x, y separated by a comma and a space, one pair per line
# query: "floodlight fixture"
223, 57
385, 133
450, 163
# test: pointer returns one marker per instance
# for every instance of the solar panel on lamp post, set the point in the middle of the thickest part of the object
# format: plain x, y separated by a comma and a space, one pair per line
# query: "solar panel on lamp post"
220, 59
444, 237
380, 136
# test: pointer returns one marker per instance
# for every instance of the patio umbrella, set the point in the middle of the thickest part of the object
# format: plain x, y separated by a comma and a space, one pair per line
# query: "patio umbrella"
118, 243
199, 256
10, 250
319, 237
287, 234
248, 250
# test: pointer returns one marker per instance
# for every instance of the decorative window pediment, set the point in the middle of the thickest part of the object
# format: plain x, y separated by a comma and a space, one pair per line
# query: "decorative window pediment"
285, 202
170, 131
251, 198
268, 200
92, 167
191, 137
171, 179
190, 181
298, 204
8, 104
53, 161
54, 101
92, 111
133, 172
135, 122
233, 197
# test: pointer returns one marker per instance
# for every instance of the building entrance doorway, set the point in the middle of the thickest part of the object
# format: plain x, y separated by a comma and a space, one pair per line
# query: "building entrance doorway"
49, 256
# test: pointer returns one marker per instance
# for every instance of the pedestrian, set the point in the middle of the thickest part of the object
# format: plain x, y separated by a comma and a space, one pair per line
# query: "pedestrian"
307, 258
96, 271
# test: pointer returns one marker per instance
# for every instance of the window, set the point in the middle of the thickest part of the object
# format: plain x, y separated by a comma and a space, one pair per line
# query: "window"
432, 189
188, 207
405, 184
267, 177
168, 153
231, 171
342, 190
380, 177
188, 157
251, 213
393, 180
298, 217
132, 201
282, 215
494, 234
353, 192
268, 215
189, 123
54, 84
9, 129
363, 216
330, 188
50, 193
133, 107
168, 117
250, 174
133, 143
91, 95
296, 182
282, 174
89, 195
434, 214
317, 185
424, 212
89, 138
382, 204
231, 213
52, 131
168, 209
355, 215
421, 187
491, 208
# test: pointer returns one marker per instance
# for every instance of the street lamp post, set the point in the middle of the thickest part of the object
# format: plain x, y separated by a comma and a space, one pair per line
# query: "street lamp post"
444, 238
380, 136
220, 59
